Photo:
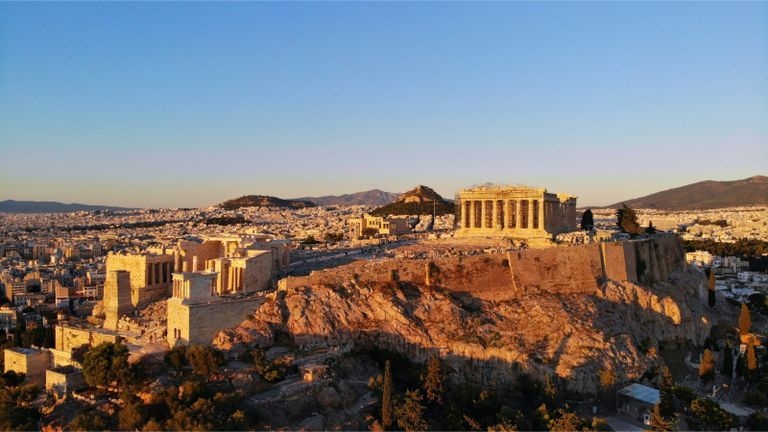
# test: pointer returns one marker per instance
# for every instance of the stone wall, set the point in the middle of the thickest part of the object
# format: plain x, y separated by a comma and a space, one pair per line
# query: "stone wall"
200, 323
498, 276
68, 338
144, 288
117, 297
29, 361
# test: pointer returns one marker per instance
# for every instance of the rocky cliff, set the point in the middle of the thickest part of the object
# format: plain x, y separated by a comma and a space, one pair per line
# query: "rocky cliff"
569, 328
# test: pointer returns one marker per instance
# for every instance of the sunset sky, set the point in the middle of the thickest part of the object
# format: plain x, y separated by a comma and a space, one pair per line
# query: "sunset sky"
189, 104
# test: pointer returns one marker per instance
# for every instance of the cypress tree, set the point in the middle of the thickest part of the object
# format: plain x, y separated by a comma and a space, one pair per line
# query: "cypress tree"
741, 367
587, 220
711, 289
752, 367
745, 322
666, 397
728, 362
707, 366
386, 398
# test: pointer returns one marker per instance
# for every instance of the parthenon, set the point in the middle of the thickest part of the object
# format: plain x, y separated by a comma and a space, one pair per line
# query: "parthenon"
519, 212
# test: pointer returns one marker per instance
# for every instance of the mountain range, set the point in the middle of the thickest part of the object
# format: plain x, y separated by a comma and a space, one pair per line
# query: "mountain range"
12, 206
374, 197
263, 201
708, 194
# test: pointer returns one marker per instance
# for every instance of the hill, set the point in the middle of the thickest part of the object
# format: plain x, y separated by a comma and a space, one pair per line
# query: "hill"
373, 197
419, 200
707, 194
263, 201
11, 206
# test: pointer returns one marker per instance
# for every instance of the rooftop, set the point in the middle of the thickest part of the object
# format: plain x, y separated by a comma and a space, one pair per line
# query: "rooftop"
642, 393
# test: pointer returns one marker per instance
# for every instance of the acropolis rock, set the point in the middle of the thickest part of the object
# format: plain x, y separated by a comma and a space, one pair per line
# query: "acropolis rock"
567, 318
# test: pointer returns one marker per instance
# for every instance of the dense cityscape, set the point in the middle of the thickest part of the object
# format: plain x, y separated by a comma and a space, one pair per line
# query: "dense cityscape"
383, 216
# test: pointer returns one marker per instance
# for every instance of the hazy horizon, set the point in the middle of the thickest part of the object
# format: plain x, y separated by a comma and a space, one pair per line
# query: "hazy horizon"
187, 105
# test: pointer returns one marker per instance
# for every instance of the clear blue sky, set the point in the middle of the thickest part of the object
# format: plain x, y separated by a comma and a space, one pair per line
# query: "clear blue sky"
188, 104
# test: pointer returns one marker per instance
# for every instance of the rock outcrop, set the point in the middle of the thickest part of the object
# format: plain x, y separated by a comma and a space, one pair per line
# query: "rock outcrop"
570, 334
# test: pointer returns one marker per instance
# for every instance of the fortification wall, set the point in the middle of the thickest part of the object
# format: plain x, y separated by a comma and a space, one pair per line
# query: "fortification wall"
69, 338
572, 269
200, 323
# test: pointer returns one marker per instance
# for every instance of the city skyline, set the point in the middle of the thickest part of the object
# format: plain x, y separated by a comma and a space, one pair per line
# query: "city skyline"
167, 105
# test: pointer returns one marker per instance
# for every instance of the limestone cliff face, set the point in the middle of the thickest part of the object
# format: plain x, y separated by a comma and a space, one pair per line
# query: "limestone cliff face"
567, 333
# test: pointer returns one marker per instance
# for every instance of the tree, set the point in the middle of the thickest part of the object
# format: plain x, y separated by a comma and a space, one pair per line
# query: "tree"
132, 415
607, 383
651, 229
386, 398
587, 220
204, 360
757, 422
658, 422
16, 412
666, 392
105, 364
89, 420
707, 415
707, 366
751, 359
745, 322
711, 291
410, 415
176, 358
433, 380
565, 421
727, 370
741, 367
626, 219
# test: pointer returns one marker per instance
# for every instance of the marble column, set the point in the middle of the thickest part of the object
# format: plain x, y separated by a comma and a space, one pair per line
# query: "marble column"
483, 211
463, 216
518, 214
472, 210
530, 213
494, 214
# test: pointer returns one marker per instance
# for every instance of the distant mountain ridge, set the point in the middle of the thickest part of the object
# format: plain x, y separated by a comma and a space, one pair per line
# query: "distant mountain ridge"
374, 197
13, 206
417, 201
263, 201
709, 194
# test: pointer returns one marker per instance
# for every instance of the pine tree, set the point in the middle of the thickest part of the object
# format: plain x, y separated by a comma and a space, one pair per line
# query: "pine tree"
745, 322
626, 219
707, 366
587, 220
386, 398
410, 415
711, 289
728, 362
433, 380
